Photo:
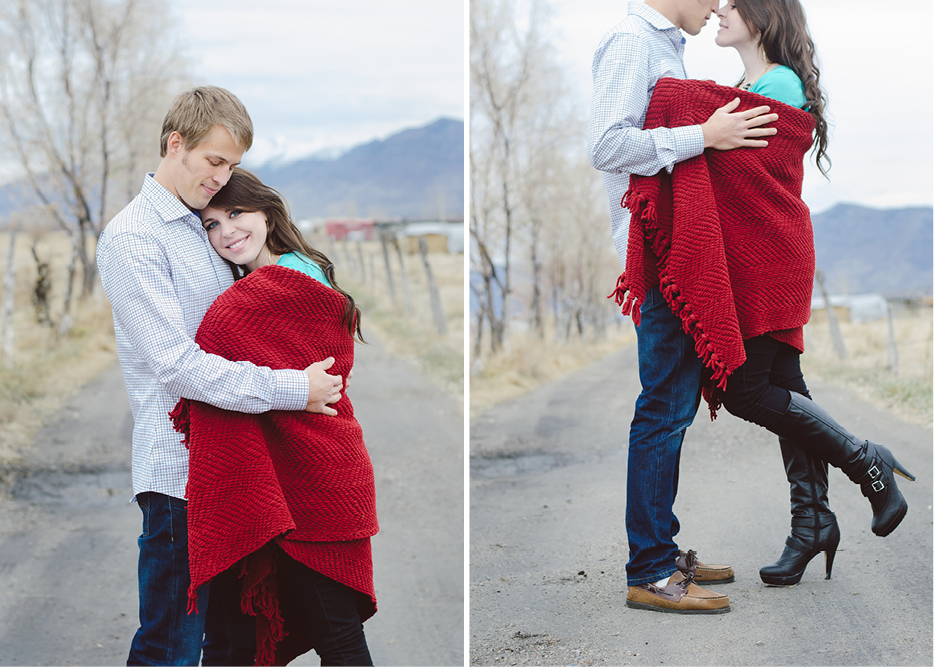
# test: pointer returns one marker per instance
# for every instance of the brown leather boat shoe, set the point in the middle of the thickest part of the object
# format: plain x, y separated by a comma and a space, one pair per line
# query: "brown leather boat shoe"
705, 574
680, 596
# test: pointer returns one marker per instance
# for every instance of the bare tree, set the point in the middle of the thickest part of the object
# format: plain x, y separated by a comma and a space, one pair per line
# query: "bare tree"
7, 332
82, 87
512, 78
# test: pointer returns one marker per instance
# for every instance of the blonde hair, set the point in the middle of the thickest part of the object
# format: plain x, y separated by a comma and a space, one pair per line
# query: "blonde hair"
195, 113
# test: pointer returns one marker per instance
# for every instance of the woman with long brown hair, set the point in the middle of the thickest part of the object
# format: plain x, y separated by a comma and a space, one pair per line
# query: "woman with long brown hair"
768, 389
281, 504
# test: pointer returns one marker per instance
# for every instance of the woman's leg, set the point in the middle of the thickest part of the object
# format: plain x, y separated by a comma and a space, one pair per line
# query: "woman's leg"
229, 634
752, 392
807, 475
328, 613
751, 396
813, 526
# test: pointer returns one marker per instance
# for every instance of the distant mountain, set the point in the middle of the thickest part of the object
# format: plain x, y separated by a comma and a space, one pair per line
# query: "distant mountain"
417, 173
889, 251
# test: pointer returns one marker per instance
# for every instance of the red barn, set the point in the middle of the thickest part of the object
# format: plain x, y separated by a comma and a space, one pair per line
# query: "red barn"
352, 229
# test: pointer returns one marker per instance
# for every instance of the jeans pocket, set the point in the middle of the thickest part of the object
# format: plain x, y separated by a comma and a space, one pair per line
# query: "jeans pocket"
142, 499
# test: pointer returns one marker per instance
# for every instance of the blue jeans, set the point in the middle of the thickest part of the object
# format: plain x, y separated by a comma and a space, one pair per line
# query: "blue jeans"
167, 634
670, 372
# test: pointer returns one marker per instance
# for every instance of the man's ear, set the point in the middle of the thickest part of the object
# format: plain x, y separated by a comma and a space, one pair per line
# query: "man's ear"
175, 143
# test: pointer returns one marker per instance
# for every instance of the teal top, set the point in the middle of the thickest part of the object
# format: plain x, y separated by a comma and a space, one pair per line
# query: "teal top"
293, 260
781, 84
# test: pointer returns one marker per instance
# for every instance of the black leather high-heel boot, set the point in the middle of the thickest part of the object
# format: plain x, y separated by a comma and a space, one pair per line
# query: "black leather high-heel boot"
813, 525
865, 463
800, 548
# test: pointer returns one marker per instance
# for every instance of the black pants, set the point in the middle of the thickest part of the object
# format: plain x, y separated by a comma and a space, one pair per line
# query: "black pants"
758, 390
327, 612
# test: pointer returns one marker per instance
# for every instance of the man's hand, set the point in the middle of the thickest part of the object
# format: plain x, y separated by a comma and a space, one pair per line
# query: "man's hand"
323, 389
725, 130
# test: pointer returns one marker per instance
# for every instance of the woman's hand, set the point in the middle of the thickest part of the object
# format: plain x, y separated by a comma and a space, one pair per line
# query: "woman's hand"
323, 389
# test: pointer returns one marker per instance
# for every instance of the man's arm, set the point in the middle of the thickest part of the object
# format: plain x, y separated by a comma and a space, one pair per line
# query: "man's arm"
617, 143
146, 303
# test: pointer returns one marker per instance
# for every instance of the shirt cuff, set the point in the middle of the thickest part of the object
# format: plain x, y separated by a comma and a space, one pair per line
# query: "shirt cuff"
290, 390
689, 142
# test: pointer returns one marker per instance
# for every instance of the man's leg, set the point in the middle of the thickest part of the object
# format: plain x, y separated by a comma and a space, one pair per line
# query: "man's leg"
167, 634
670, 372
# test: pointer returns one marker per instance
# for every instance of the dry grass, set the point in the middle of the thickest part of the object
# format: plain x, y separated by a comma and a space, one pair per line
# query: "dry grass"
908, 393
412, 335
47, 369
531, 361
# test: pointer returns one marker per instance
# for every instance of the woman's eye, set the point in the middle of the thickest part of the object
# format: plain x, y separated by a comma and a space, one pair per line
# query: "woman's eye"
208, 226
234, 214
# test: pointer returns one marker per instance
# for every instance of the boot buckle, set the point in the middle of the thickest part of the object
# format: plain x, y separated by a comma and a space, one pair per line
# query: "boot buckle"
879, 487
874, 472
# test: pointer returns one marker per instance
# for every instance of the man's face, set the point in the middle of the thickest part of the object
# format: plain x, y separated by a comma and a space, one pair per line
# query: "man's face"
694, 14
198, 173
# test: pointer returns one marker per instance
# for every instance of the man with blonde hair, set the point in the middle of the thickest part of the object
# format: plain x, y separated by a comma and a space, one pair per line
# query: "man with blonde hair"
161, 275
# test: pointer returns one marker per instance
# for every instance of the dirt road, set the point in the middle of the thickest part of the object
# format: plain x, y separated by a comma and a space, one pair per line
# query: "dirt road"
68, 532
548, 539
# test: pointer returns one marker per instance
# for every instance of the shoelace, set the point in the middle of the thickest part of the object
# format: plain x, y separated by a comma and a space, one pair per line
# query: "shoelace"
690, 562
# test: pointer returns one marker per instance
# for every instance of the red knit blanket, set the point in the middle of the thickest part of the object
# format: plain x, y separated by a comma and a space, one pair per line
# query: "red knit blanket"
726, 235
253, 478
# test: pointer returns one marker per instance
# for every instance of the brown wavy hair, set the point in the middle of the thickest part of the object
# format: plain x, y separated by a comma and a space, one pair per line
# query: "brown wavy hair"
784, 37
245, 192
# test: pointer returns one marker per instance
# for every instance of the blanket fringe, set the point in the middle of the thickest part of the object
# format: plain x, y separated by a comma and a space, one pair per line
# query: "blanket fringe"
192, 599
260, 597
181, 420
629, 303
712, 389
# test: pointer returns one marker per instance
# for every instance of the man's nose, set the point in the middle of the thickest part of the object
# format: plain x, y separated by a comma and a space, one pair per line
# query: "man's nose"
221, 176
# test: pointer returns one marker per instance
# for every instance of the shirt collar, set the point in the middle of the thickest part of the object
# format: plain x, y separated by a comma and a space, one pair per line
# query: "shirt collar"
656, 20
168, 206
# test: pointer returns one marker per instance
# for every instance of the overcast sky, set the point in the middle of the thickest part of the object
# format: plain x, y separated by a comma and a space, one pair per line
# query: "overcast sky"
876, 65
318, 74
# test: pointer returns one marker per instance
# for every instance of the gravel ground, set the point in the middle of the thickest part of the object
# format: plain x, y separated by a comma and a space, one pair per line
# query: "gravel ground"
68, 533
548, 539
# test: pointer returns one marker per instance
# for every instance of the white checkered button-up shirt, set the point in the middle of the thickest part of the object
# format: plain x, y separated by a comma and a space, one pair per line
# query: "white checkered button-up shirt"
161, 275
631, 58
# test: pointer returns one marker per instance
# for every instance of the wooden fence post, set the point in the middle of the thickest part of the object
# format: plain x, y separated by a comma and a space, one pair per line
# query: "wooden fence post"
405, 278
362, 265
435, 297
349, 262
333, 249
831, 318
6, 313
893, 349
392, 288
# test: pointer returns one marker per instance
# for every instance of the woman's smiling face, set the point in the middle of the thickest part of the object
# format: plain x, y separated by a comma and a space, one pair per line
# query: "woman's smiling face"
238, 236
733, 30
